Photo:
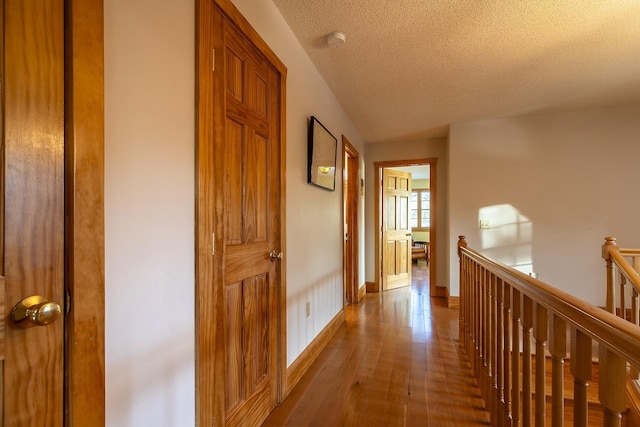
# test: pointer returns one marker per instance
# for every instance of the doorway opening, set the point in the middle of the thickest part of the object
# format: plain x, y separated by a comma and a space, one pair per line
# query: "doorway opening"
380, 259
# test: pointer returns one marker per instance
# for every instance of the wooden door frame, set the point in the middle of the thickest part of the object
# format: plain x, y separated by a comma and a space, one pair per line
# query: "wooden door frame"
350, 199
84, 217
209, 325
378, 166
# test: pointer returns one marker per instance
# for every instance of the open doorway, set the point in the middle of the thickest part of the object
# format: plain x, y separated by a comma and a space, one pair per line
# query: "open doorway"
427, 233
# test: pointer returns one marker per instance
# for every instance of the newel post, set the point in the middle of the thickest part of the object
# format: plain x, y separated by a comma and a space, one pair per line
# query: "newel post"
462, 243
610, 245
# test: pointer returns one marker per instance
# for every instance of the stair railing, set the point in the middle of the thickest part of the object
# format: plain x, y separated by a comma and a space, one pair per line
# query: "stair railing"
503, 311
623, 289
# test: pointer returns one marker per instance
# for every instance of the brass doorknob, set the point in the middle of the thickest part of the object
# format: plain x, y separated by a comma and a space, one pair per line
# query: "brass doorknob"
273, 255
35, 310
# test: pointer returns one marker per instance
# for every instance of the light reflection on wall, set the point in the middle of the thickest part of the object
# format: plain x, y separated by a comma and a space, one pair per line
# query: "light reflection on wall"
509, 236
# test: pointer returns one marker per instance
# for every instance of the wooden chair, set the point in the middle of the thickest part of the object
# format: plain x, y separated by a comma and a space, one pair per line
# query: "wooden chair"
419, 250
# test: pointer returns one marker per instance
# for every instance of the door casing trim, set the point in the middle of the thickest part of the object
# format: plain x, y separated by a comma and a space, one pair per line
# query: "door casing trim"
378, 166
84, 207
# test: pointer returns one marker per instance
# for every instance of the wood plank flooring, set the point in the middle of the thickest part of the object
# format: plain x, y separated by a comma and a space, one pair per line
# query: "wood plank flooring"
396, 362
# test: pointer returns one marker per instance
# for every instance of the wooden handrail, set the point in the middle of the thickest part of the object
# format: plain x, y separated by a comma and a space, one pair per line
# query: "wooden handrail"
620, 272
600, 325
493, 298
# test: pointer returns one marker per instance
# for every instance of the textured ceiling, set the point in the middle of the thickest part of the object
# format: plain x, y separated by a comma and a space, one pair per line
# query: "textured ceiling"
410, 68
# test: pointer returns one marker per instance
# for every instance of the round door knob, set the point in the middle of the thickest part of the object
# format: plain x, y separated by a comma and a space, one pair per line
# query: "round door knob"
273, 255
35, 310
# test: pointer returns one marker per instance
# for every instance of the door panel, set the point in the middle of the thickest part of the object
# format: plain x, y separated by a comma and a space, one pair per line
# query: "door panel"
252, 230
396, 231
33, 202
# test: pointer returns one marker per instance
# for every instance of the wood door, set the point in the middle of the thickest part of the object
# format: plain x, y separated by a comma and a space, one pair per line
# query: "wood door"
252, 228
396, 231
239, 287
33, 207
351, 195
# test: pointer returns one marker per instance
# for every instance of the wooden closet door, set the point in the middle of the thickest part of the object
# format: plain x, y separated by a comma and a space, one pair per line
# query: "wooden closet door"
251, 232
33, 210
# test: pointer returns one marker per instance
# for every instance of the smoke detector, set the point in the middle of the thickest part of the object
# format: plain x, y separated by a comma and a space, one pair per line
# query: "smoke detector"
336, 39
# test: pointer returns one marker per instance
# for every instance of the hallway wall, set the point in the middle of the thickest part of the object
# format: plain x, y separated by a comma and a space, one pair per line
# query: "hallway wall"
553, 186
149, 205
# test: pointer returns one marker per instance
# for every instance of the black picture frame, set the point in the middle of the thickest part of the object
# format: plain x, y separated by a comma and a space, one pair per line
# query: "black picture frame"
322, 154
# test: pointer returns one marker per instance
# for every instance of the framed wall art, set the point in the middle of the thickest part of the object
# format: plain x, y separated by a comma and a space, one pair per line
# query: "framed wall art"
322, 156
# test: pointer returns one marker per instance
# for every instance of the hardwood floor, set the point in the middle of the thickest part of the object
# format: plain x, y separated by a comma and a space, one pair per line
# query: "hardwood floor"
396, 362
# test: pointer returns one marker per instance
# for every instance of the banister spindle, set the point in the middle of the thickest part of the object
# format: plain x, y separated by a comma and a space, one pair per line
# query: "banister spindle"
493, 351
611, 384
635, 319
515, 357
474, 319
558, 349
467, 305
486, 328
500, 400
527, 325
635, 312
507, 354
623, 305
580, 360
540, 334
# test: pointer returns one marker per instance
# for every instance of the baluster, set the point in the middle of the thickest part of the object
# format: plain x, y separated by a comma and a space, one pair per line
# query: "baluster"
500, 401
623, 305
612, 386
484, 385
635, 319
558, 349
581, 371
527, 324
515, 358
635, 309
507, 353
464, 303
474, 320
493, 351
479, 325
609, 245
541, 335
467, 325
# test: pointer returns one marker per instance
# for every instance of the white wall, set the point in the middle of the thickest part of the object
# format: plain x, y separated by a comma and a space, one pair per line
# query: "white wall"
149, 212
149, 205
410, 150
553, 187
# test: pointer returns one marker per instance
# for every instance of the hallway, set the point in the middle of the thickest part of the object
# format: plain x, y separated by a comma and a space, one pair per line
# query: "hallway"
394, 363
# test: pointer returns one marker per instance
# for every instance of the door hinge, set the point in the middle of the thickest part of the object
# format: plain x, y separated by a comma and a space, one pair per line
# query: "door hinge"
213, 243
213, 60
67, 302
